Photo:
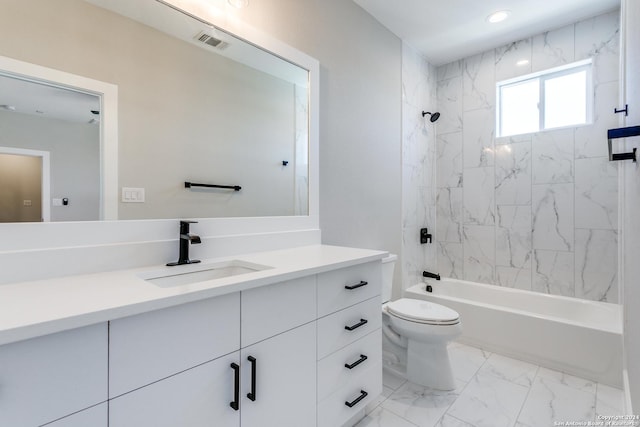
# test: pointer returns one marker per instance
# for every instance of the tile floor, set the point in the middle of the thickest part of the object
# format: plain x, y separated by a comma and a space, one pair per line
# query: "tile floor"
492, 391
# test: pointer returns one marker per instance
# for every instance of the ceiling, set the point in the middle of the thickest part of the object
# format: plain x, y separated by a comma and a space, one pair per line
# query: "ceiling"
445, 31
43, 100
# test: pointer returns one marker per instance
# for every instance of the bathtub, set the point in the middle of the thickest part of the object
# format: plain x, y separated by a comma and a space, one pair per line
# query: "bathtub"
578, 337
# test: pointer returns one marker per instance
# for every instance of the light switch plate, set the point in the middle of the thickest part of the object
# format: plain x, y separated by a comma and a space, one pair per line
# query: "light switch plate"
132, 195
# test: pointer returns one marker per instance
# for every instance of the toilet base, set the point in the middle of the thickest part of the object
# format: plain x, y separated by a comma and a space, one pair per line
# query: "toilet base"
428, 365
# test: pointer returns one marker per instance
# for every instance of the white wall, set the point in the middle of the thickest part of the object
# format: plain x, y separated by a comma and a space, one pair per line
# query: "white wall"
536, 211
631, 204
74, 160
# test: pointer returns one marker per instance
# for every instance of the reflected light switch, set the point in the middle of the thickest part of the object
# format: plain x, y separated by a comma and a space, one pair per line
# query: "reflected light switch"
132, 195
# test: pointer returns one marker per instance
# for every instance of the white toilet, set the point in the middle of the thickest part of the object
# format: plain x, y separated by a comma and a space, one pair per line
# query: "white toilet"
416, 334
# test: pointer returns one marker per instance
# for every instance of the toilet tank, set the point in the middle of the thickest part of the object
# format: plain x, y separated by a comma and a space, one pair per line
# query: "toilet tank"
388, 264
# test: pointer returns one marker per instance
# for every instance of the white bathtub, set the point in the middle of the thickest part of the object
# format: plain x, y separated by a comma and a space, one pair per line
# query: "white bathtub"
575, 336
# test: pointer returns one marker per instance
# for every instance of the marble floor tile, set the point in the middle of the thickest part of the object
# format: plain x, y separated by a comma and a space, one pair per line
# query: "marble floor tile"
392, 381
382, 418
551, 401
609, 400
466, 360
508, 369
567, 380
420, 405
488, 401
373, 405
449, 421
492, 390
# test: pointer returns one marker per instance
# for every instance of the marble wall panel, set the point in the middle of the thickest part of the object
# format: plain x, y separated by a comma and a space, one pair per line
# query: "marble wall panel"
596, 265
553, 48
479, 253
552, 160
513, 173
553, 272
477, 138
478, 196
553, 222
449, 95
596, 193
478, 73
513, 60
449, 160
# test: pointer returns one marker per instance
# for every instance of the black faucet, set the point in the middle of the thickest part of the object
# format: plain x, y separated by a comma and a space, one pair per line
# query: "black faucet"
431, 275
185, 239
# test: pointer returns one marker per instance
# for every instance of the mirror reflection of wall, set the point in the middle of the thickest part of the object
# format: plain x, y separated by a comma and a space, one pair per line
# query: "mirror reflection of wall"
185, 112
50, 139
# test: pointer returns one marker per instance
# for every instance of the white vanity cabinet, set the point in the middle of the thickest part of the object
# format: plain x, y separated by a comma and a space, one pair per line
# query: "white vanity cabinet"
349, 342
46, 378
159, 378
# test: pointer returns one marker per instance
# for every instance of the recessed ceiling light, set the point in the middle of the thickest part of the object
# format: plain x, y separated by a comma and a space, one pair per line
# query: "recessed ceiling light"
498, 16
522, 62
239, 3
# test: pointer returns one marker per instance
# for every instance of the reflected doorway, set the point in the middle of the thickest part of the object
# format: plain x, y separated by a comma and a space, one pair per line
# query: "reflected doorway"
24, 185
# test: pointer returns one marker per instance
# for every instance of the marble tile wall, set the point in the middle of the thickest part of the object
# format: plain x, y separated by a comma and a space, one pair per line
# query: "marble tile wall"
536, 211
418, 166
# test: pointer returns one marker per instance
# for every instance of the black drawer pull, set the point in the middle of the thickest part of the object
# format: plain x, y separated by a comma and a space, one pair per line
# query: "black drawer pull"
362, 322
235, 404
363, 394
359, 285
252, 394
356, 363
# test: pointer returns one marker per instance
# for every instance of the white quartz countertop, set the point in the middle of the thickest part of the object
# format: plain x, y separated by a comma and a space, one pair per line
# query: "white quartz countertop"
31, 309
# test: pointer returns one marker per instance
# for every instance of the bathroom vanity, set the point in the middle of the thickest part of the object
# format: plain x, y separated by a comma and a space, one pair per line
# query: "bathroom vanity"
294, 343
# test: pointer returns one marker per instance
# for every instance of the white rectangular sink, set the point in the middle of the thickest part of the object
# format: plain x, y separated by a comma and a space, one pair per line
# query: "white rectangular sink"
200, 273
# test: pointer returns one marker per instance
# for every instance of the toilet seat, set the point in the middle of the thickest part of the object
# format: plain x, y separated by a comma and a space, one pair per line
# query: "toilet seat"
425, 312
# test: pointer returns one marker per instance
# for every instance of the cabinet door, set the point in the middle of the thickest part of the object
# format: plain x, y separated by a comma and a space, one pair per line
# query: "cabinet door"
92, 417
46, 378
198, 397
285, 380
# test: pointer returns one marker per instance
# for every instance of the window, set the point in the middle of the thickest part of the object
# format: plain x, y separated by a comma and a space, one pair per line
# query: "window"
550, 99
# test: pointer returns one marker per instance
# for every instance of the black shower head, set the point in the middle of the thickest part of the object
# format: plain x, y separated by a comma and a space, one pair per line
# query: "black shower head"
434, 116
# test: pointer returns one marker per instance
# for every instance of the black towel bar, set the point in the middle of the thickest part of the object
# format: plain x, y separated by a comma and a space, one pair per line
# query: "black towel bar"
230, 187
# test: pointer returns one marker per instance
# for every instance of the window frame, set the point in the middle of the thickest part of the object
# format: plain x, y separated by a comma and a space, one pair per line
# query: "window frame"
542, 77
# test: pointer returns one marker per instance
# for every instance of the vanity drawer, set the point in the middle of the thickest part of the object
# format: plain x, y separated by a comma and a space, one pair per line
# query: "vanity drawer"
365, 281
271, 310
333, 410
346, 326
151, 346
360, 355
46, 378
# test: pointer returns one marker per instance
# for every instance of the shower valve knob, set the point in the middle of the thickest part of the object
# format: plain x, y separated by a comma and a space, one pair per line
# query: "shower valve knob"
425, 237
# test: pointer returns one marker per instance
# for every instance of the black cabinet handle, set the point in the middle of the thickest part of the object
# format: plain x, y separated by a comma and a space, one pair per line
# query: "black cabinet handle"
359, 285
353, 403
357, 325
235, 404
252, 394
356, 363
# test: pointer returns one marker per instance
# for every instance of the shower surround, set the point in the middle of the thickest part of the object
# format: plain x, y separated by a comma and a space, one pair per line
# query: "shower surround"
536, 211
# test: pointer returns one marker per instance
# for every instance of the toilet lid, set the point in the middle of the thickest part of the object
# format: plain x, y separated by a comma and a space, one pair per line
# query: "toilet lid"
423, 312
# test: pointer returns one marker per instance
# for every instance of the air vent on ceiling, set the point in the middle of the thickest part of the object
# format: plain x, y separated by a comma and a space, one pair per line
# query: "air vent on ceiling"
208, 39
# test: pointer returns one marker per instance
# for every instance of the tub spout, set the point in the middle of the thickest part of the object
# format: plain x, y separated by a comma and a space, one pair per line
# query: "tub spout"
430, 275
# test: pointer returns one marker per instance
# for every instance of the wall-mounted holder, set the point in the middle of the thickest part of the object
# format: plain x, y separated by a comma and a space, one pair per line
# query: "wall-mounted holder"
625, 110
425, 237
230, 187
622, 133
